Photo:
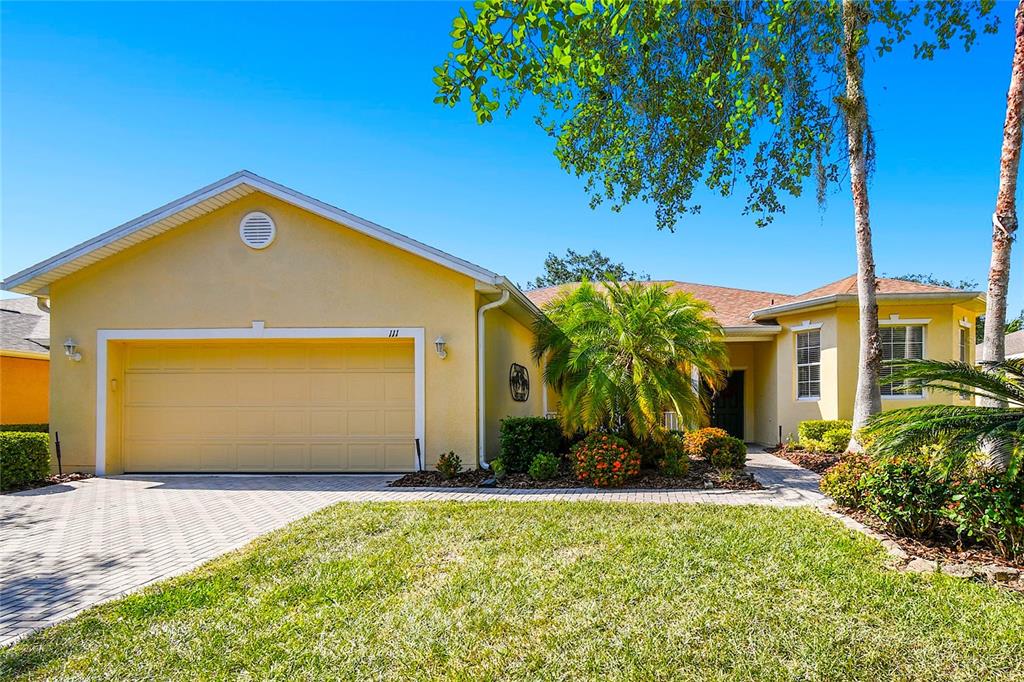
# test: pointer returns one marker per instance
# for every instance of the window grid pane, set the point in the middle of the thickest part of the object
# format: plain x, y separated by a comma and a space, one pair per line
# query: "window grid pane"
808, 364
901, 343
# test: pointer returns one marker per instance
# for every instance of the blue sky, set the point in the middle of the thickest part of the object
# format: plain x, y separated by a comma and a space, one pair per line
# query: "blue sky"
111, 110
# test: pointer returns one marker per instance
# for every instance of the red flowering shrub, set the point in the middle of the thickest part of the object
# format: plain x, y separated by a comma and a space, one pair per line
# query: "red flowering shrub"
605, 461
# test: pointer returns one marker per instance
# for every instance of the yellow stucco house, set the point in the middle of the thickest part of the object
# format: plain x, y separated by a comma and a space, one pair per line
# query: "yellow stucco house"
794, 357
248, 327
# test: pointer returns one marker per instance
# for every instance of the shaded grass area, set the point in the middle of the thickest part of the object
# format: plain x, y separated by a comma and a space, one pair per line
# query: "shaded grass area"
560, 591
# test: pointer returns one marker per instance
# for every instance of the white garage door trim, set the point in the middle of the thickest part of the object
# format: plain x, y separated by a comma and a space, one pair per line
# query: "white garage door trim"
257, 331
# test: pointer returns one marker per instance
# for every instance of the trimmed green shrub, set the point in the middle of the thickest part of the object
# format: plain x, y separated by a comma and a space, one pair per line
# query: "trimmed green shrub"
449, 464
812, 433
24, 458
835, 440
523, 437
905, 495
728, 453
675, 462
990, 509
544, 466
605, 461
26, 428
842, 481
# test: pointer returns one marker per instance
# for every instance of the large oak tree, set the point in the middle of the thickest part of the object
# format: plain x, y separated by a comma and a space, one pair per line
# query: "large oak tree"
650, 99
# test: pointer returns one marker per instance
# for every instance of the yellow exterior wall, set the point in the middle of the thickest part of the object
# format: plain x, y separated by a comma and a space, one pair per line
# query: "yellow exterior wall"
507, 341
742, 357
766, 394
24, 390
316, 274
840, 347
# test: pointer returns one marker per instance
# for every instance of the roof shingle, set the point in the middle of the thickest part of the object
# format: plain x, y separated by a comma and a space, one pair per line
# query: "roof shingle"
23, 326
734, 306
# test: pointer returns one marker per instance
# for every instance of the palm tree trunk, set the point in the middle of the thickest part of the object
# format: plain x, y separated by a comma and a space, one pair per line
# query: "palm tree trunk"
1004, 225
868, 399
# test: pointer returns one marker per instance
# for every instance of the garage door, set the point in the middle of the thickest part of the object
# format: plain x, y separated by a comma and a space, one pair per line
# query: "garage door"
269, 406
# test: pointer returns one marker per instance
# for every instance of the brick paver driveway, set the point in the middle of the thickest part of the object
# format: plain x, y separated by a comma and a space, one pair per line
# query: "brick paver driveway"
67, 547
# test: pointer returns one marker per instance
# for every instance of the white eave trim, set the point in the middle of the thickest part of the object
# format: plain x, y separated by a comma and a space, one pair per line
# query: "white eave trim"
806, 326
18, 281
936, 296
894, 320
752, 330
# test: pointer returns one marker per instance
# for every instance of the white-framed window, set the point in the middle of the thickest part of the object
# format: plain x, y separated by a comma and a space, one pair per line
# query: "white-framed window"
901, 342
808, 364
670, 420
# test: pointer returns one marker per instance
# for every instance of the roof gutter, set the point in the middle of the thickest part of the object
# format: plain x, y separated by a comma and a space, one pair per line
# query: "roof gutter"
481, 402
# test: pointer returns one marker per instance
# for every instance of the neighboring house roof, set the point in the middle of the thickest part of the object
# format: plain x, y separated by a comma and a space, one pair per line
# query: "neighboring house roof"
745, 310
24, 328
1014, 346
35, 280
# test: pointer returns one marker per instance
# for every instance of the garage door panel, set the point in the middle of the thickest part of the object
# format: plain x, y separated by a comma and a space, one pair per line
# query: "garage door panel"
328, 388
365, 423
365, 388
254, 422
329, 456
217, 421
291, 423
397, 388
254, 457
398, 422
328, 423
291, 456
269, 407
218, 457
291, 388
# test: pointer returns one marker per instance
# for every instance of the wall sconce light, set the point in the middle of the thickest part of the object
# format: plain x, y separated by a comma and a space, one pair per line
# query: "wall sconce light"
71, 350
439, 346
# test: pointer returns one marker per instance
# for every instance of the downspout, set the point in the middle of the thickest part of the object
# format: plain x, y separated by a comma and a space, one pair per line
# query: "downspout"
481, 379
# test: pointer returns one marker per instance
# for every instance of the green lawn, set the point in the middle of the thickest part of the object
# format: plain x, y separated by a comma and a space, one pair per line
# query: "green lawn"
561, 591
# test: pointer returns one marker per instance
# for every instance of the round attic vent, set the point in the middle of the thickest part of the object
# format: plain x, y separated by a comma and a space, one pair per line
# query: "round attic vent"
257, 230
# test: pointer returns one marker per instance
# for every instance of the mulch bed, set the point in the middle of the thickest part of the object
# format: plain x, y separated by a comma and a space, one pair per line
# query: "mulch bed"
701, 476
943, 545
49, 480
818, 462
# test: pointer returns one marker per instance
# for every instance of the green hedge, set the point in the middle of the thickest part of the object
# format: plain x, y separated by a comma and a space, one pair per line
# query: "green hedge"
825, 435
24, 457
522, 438
26, 428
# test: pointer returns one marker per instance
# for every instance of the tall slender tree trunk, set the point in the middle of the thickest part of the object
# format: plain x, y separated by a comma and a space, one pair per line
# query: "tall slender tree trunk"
1004, 225
868, 399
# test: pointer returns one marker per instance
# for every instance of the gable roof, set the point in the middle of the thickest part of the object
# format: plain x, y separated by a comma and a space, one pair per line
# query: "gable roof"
745, 310
36, 279
731, 306
24, 328
846, 289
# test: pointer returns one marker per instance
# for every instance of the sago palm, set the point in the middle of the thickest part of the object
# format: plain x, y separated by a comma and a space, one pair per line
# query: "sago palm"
958, 428
621, 354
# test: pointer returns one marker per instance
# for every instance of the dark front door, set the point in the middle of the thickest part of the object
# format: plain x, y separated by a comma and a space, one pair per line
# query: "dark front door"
727, 405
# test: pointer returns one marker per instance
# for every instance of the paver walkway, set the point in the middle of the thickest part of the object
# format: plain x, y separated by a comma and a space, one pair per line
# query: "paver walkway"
67, 547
